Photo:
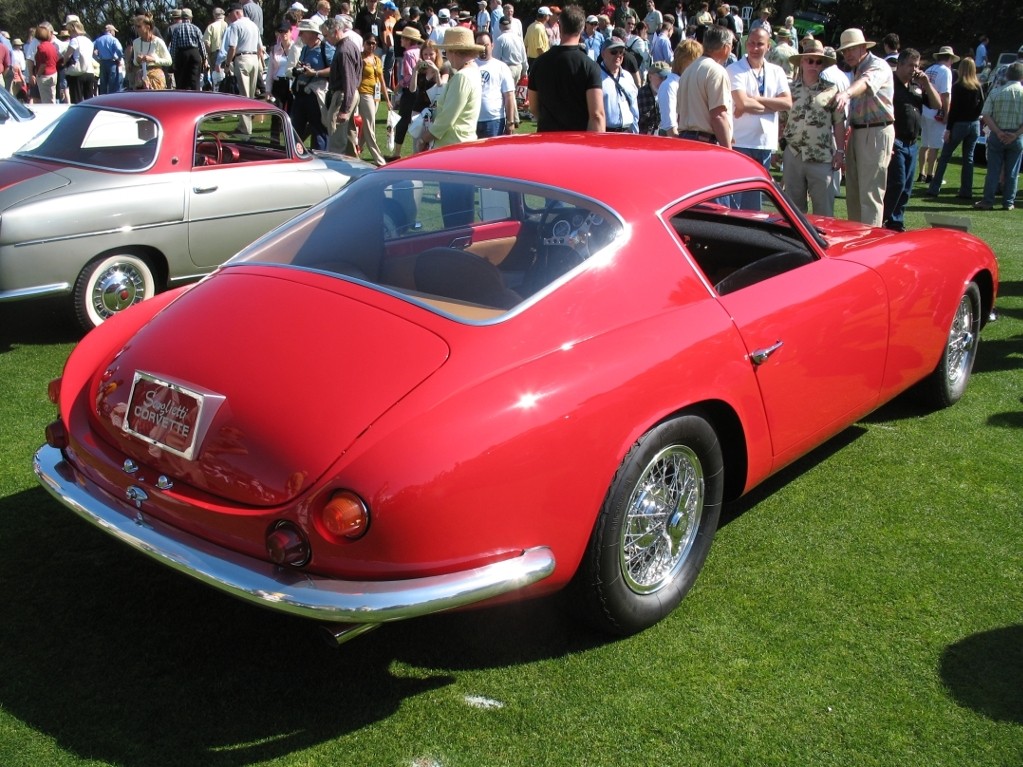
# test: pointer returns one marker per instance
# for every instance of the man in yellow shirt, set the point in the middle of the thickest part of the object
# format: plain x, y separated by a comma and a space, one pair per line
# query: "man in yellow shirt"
537, 40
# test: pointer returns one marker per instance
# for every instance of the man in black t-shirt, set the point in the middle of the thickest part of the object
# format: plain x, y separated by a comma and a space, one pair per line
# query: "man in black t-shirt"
564, 83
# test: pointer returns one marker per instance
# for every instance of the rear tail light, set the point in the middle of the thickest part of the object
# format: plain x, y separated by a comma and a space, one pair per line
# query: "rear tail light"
287, 545
345, 516
56, 434
53, 391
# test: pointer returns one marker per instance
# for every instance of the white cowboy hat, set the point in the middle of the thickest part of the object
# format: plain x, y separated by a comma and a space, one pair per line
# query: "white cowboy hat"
853, 37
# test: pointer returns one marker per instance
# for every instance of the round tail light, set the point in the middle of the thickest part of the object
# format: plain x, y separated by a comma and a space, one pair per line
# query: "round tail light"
286, 545
345, 516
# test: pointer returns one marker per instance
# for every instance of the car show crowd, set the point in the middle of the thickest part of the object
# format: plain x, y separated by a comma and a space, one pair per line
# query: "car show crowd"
450, 74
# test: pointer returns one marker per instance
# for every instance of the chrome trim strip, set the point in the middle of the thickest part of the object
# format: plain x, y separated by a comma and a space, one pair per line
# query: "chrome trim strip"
55, 289
284, 589
101, 233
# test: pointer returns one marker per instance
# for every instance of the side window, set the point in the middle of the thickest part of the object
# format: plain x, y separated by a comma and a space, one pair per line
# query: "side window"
424, 207
240, 137
741, 239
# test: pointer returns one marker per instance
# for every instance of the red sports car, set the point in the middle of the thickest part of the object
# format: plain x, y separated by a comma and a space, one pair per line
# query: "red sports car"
501, 370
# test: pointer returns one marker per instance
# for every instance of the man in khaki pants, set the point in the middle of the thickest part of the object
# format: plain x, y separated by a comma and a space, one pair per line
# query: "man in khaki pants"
871, 117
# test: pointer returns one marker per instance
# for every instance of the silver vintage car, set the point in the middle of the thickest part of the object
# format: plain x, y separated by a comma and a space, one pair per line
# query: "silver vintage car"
131, 193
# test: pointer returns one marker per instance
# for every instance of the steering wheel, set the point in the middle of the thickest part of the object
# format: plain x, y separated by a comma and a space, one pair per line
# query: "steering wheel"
215, 138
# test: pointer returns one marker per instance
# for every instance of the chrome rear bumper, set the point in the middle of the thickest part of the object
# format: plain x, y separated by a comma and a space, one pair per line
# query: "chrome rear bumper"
280, 588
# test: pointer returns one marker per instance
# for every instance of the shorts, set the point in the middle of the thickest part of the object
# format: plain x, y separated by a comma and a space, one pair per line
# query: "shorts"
932, 133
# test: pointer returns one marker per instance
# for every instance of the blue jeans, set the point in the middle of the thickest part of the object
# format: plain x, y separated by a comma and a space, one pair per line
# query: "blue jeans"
488, 128
751, 200
901, 171
1002, 156
965, 133
110, 80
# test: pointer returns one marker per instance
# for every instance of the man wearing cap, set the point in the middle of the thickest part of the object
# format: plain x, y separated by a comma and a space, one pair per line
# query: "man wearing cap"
189, 53
537, 42
312, 73
646, 99
913, 90
244, 56
621, 110
592, 40
705, 103
871, 116
482, 16
565, 91
1003, 115
932, 135
213, 37
782, 53
107, 49
443, 23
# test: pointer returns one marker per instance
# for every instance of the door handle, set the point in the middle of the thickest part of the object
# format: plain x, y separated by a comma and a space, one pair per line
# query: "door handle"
204, 189
462, 242
760, 356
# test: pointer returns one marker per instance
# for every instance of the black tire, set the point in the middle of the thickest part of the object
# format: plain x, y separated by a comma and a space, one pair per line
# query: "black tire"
644, 553
110, 284
946, 385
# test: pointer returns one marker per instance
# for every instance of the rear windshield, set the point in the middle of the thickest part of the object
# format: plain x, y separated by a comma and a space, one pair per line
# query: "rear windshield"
100, 138
471, 247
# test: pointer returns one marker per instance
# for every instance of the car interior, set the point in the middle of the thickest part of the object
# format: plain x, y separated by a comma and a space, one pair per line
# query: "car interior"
228, 139
736, 248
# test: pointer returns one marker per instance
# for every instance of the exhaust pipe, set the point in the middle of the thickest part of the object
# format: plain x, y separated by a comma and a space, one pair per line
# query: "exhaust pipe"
337, 634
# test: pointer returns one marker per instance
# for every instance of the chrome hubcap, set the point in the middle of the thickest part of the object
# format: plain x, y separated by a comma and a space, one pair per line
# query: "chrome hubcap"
662, 519
961, 342
117, 288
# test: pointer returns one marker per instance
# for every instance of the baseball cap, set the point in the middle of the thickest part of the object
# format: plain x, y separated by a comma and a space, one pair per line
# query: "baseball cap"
615, 43
543, 10
592, 19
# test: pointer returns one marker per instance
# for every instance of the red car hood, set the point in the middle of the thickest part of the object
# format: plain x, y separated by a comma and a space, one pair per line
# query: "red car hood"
271, 379
20, 181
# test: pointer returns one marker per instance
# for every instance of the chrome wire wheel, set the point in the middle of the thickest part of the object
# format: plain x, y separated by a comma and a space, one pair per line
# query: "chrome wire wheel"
662, 519
962, 343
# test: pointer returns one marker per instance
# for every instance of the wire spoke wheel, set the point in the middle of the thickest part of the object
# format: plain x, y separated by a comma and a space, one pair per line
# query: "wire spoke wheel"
662, 519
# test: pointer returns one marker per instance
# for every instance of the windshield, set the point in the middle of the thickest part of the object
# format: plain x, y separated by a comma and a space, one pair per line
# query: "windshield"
471, 247
100, 138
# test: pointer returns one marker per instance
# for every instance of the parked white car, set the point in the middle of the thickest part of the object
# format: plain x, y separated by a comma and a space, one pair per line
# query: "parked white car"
20, 122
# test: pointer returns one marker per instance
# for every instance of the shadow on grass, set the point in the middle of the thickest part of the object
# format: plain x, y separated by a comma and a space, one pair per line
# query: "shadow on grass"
121, 660
984, 672
45, 321
732, 511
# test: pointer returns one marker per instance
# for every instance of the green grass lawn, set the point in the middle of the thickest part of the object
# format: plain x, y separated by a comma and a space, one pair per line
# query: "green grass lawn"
861, 608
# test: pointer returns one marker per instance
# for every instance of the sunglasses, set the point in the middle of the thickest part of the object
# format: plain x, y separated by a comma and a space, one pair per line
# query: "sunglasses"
814, 62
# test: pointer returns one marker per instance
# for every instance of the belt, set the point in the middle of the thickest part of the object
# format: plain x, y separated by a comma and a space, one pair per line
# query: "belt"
698, 135
246, 53
873, 125
617, 130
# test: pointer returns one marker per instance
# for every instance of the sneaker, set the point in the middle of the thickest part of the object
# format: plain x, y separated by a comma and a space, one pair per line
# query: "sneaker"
981, 205
1010, 206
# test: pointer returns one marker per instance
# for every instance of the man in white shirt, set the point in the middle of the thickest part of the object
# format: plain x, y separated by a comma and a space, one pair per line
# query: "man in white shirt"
516, 24
244, 50
621, 109
760, 91
497, 98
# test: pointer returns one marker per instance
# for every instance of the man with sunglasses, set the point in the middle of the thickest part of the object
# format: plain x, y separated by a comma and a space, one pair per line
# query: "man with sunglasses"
760, 91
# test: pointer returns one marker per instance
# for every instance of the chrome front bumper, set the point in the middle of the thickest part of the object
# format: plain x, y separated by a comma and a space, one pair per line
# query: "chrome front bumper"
281, 588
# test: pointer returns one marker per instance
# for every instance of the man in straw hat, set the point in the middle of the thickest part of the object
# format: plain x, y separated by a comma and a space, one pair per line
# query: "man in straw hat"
565, 93
814, 133
782, 53
458, 108
871, 116
933, 127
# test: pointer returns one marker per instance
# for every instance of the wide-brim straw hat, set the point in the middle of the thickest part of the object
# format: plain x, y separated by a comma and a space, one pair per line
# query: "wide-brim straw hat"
460, 39
411, 33
853, 37
946, 50
814, 49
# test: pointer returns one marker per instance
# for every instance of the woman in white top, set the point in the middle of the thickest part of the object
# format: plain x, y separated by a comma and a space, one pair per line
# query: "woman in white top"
149, 55
78, 64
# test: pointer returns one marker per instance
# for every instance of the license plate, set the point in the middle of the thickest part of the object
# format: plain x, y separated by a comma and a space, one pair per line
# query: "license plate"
164, 414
